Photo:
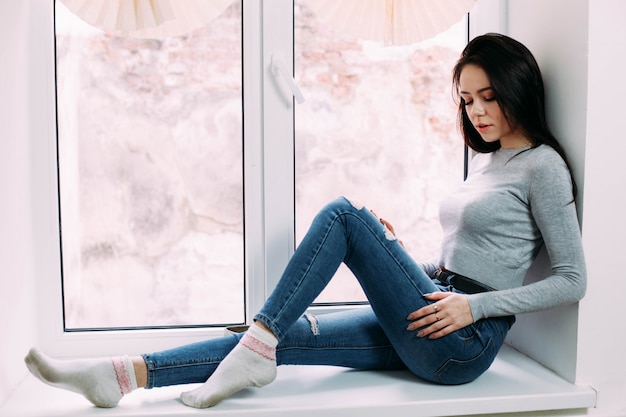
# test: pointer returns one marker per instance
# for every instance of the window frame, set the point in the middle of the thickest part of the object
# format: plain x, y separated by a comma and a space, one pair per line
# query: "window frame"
268, 191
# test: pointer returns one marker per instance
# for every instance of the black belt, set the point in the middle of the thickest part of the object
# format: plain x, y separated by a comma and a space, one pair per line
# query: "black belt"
460, 282
468, 286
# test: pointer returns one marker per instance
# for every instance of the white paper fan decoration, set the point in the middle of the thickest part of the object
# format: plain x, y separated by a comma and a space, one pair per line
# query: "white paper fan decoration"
147, 18
395, 22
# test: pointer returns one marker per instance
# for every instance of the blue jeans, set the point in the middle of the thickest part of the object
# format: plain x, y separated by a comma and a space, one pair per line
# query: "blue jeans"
365, 338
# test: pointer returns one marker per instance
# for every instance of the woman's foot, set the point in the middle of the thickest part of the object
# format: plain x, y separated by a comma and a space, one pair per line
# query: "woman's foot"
252, 363
102, 381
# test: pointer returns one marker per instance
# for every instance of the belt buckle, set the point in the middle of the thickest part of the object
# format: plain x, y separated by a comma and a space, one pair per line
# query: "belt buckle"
443, 275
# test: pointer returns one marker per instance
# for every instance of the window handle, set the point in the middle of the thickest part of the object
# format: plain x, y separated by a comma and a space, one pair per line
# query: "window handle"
280, 70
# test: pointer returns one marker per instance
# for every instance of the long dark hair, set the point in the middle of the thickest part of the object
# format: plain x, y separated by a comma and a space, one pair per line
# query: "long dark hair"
517, 84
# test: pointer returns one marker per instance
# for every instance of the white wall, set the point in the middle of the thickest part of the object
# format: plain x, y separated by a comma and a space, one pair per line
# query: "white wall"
17, 303
556, 32
601, 325
581, 47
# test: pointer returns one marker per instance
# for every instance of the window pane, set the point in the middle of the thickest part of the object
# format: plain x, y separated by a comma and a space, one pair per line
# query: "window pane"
150, 168
378, 126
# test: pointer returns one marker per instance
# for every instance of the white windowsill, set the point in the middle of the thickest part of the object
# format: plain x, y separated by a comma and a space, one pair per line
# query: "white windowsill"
514, 383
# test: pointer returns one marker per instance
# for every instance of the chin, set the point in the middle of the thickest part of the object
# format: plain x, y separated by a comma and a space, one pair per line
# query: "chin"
490, 139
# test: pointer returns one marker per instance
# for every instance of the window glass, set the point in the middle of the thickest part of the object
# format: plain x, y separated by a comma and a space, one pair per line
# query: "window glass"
150, 173
378, 126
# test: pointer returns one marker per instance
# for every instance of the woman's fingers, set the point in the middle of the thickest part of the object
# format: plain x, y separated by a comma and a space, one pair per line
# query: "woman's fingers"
449, 313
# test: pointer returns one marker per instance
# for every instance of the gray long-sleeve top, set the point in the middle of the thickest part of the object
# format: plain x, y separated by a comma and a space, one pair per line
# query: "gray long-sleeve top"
512, 203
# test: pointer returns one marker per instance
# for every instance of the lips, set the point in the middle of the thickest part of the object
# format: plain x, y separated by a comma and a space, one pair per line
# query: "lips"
481, 127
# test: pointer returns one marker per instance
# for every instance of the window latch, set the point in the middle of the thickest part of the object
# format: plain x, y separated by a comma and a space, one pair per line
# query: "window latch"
280, 70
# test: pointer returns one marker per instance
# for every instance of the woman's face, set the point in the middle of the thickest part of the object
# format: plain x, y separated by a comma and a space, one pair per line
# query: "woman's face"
484, 111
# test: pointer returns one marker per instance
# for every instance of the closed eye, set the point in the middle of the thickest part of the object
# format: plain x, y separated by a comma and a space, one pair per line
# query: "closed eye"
486, 99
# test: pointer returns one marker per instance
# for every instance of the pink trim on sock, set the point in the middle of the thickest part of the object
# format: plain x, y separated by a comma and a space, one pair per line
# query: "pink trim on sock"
123, 379
259, 347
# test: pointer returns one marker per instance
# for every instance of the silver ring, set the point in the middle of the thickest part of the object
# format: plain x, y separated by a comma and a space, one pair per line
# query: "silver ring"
435, 306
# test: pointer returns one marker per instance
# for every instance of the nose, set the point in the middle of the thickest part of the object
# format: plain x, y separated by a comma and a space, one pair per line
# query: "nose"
478, 109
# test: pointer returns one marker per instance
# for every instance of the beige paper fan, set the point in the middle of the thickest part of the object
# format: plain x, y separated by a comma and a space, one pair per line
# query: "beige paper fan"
395, 22
147, 18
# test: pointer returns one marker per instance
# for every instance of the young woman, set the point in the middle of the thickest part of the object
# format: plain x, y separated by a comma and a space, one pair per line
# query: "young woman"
445, 321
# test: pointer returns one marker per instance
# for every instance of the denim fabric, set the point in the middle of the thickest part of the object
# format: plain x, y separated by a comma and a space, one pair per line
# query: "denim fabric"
366, 338
350, 339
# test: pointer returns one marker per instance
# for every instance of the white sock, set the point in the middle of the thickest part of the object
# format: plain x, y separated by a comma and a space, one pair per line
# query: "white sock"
252, 363
102, 381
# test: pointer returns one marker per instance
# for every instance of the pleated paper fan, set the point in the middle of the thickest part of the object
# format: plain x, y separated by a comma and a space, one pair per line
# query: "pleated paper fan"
147, 18
395, 22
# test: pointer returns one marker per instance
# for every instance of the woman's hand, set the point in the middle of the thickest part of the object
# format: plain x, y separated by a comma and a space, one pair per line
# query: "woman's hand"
451, 311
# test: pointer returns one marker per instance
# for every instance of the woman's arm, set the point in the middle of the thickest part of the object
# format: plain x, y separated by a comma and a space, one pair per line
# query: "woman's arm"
554, 213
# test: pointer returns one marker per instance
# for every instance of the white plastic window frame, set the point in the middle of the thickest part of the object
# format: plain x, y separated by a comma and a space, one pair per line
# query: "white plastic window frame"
268, 175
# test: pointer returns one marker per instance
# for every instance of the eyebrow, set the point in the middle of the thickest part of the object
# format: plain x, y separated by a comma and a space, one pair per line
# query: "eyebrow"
482, 90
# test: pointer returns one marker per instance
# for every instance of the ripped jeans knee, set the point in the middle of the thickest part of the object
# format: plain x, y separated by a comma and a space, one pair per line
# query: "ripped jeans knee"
313, 323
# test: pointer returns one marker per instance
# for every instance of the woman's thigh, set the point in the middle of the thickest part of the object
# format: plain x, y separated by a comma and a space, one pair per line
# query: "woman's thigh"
395, 286
356, 339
